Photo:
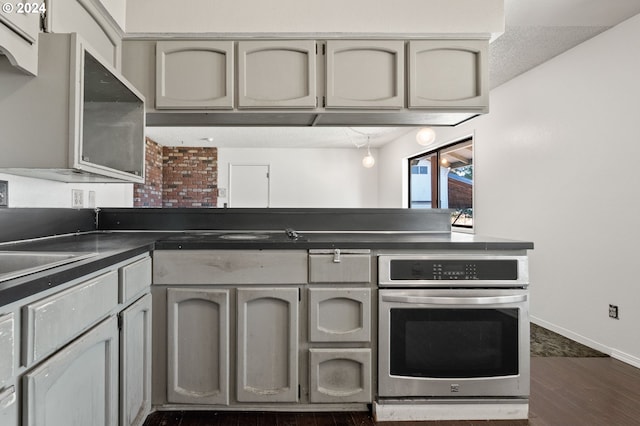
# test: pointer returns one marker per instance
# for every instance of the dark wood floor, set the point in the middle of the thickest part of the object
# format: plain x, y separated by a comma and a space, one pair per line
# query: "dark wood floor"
564, 391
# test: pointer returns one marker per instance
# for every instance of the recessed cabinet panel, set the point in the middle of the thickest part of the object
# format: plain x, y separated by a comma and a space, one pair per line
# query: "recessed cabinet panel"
7, 348
267, 345
78, 385
365, 74
19, 34
448, 74
198, 346
194, 74
135, 363
340, 315
340, 375
277, 74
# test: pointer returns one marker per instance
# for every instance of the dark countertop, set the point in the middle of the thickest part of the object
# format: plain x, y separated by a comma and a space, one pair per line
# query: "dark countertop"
114, 247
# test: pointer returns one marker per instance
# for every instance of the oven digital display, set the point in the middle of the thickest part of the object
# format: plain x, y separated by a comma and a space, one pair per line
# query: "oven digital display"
448, 269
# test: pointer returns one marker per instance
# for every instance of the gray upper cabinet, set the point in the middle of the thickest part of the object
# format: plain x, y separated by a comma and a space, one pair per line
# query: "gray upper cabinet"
277, 74
81, 379
198, 346
19, 34
365, 74
194, 74
267, 344
448, 74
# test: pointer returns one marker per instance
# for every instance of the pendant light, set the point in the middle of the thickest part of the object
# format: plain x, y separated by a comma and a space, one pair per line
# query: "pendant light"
426, 136
368, 161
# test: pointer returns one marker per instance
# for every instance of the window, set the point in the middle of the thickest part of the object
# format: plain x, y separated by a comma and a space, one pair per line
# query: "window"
443, 178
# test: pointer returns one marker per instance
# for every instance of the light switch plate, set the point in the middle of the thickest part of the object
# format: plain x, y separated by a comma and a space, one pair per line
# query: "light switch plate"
4, 193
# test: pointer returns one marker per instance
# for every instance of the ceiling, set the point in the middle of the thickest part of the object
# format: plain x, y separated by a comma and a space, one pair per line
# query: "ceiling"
535, 31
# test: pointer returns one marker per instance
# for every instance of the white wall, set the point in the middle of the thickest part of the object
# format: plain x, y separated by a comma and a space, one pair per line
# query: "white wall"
308, 177
117, 9
29, 192
555, 163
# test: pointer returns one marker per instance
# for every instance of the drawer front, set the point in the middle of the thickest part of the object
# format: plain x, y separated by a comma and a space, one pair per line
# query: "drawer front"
8, 406
56, 320
134, 279
228, 267
7, 348
339, 268
340, 375
340, 315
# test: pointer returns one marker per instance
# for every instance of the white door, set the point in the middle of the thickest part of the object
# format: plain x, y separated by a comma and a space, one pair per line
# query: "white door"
248, 185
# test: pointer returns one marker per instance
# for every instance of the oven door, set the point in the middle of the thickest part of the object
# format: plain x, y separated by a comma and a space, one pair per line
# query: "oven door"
450, 343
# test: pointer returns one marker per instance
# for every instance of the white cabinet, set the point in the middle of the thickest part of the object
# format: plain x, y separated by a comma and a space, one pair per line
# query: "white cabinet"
78, 121
267, 369
194, 74
277, 74
135, 362
19, 33
365, 74
77, 386
448, 74
198, 346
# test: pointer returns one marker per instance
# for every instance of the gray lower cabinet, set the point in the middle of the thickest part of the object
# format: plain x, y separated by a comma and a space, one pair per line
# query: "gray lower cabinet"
198, 346
365, 74
277, 74
135, 362
448, 74
77, 386
194, 74
340, 375
8, 396
339, 314
267, 332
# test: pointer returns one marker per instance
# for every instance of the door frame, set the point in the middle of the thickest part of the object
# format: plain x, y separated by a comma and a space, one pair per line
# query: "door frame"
267, 165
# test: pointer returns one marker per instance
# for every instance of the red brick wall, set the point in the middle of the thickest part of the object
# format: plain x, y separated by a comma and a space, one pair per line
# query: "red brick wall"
190, 177
460, 194
149, 194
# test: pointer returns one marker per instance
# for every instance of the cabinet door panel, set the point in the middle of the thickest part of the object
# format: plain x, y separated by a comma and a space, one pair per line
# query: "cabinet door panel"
340, 375
198, 340
268, 345
365, 74
448, 73
78, 386
7, 348
194, 74
135, 363
277, 74
340, 315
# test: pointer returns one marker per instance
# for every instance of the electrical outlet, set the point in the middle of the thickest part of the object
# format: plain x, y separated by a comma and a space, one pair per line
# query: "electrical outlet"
77, 198
4, 193
613, 312
222, 192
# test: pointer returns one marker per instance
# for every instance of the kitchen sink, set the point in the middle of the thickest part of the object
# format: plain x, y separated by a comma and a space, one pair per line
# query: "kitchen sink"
14, 264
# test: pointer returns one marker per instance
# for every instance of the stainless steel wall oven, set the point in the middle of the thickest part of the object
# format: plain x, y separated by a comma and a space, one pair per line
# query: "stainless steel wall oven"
453, 326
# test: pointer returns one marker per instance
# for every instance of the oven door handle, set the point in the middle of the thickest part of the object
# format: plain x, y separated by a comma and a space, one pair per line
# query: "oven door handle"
439, 300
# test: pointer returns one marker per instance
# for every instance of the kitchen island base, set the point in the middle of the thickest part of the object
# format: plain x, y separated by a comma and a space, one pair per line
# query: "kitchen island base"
459, 409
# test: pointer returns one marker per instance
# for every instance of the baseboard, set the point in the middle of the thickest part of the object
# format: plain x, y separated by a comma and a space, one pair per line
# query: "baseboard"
451, 410
614, 353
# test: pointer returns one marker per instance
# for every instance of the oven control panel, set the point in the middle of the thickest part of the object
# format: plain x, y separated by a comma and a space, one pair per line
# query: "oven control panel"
453, 269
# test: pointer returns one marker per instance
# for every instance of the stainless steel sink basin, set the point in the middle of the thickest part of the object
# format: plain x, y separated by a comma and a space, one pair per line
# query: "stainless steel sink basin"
14, 264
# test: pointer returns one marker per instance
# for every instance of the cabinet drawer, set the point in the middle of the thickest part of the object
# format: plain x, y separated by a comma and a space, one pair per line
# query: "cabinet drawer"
340, 375
336, 266
340, 315
8, 406
7, 348
134, 278
54, 321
